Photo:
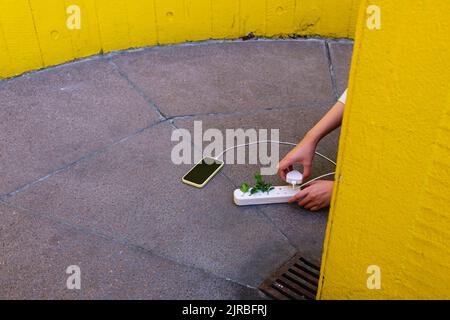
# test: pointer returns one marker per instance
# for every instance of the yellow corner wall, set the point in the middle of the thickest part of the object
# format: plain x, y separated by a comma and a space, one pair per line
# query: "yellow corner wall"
33, 33
391, 206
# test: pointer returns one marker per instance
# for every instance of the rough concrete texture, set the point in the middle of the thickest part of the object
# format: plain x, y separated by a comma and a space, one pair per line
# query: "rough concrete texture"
37, 251
52, 118
105, 194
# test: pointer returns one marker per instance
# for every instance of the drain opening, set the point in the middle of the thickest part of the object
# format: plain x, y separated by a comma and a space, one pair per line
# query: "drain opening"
297, 279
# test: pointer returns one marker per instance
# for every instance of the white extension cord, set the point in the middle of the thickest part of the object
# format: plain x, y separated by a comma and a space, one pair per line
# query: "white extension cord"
280, 194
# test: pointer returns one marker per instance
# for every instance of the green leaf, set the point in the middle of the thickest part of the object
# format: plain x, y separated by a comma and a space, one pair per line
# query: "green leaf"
258, 178
260, 186
244, 187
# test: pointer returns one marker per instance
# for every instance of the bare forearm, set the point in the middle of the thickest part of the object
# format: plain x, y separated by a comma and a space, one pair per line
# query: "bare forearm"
328, 123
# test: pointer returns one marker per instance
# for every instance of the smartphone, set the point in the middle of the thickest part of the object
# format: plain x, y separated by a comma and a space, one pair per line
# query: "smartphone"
202, 172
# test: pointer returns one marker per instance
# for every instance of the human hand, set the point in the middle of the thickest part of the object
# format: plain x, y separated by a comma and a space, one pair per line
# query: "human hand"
315, 196
303, 154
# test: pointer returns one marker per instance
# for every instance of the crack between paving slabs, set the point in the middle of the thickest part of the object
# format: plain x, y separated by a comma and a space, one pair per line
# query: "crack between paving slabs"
331, 69
85, 157
136, 88
238, 112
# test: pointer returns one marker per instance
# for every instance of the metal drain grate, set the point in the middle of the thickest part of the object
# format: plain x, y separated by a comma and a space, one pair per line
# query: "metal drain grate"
297, 279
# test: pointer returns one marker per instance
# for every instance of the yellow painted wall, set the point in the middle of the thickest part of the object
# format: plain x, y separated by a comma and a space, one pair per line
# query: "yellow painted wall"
33, 33
391, 206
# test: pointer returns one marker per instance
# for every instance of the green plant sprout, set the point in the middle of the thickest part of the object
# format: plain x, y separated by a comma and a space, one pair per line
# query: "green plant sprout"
261, 186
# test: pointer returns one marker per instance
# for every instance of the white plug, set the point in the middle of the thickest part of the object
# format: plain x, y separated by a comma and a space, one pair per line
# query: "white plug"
294, 177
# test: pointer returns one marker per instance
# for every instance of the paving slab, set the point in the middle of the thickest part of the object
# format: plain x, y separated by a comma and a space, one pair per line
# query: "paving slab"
226, 77
341, 56
51, 118
306, 230
133, 192
36, 252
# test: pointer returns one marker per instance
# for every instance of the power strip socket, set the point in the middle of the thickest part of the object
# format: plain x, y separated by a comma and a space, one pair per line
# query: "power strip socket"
278, 195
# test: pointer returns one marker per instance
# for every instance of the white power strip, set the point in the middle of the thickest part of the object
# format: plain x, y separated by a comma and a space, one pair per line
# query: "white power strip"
277, 195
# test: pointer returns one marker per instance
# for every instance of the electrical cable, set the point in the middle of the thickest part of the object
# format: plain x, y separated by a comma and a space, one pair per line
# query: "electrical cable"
317, 178
268, 141
283, 143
